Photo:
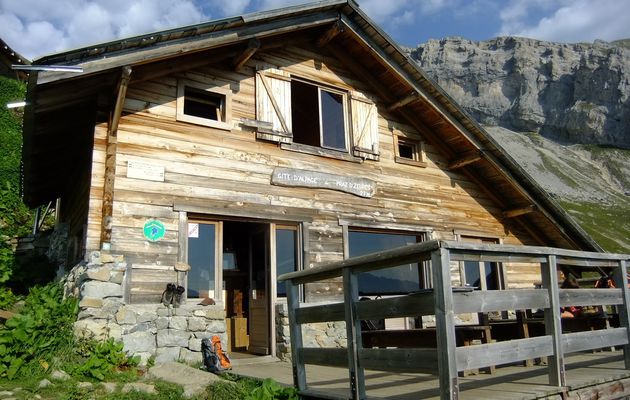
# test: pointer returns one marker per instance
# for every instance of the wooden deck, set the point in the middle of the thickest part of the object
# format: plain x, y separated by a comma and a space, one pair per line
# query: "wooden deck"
589, 376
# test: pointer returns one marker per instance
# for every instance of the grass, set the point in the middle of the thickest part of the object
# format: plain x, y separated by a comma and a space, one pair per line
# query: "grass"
232, 388
608, 224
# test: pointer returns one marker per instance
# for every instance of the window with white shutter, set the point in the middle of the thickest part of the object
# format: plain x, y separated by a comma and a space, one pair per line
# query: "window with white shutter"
273, 105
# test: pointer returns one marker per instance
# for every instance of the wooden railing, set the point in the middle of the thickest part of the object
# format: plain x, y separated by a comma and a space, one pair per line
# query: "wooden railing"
444, 302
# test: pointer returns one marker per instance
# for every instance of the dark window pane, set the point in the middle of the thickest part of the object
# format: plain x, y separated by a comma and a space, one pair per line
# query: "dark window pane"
333, 128
492, 275
201, 258
406, 150
305, 113
472, 274
202, 104
286, 256
396, 280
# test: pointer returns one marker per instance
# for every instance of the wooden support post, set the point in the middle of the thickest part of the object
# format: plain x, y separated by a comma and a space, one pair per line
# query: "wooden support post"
353, 333
401, 103
293, 303
624, 309
519, 211
110, 157
553, 323
330, 34
252, 46
445, 325
462, 162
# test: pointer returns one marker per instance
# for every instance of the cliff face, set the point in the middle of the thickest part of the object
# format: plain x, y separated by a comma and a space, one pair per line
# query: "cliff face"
572, 93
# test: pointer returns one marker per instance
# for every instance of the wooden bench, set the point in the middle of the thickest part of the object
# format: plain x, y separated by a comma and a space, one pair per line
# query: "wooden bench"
426, 338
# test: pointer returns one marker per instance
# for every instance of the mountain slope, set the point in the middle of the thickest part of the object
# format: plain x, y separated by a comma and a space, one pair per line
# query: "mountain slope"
561, 110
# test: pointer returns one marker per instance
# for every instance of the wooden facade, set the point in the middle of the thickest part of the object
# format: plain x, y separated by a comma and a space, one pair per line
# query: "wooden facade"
409, 160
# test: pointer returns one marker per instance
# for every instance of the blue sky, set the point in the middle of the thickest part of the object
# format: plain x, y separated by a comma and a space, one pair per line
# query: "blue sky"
39, 27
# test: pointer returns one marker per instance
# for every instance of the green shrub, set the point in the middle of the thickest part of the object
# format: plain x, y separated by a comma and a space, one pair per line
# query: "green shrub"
272, 390
103, 359
39, 333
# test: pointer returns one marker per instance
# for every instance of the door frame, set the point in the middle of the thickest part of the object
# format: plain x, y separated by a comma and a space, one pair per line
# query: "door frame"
301, 252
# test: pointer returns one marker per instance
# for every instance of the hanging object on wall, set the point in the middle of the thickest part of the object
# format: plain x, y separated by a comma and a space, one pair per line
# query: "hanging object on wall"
153, 230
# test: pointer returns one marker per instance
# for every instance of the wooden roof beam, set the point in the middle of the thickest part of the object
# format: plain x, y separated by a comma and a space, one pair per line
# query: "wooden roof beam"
520, 211
462, 162
403, 102
253, 45
330, 34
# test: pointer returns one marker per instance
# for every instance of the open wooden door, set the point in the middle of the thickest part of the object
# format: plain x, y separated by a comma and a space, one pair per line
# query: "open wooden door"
259, 296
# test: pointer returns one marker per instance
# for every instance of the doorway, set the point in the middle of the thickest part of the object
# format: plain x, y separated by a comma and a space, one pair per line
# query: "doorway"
246, 275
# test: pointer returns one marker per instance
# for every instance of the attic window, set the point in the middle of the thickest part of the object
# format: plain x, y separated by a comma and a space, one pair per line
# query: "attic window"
198, 104
318, 116
408, 150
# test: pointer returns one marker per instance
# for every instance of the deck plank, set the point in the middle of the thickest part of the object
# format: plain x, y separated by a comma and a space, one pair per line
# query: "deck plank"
584, 371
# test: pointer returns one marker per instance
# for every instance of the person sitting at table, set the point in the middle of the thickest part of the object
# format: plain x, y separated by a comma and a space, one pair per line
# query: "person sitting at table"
570, 311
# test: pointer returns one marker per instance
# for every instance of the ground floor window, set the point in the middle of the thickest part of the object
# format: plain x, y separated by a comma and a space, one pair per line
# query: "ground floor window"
391, 281
481, 275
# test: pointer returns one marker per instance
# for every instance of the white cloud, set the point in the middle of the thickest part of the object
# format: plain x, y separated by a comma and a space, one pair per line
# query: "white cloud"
569, 21
35, 28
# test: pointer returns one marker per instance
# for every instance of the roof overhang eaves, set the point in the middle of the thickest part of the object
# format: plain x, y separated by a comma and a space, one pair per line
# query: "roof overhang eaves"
242, 33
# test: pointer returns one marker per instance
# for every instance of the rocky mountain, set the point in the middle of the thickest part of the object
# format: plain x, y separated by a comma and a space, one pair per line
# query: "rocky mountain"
561, 110
572, 93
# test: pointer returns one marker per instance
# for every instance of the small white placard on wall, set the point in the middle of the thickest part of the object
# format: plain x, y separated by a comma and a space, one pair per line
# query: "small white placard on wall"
193, 230
141, 170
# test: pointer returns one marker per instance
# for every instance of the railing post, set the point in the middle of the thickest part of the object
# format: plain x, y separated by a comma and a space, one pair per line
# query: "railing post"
295, 330
445, 324
624, 310
353, 333
553, 322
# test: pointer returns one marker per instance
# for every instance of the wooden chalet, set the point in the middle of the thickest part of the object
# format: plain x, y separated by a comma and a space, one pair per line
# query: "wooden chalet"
8, 58
264, 144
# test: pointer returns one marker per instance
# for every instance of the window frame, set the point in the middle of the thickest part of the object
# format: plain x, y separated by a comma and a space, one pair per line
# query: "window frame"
346, 115
418, 158
501, 278
218, 257
225, 115
422, 235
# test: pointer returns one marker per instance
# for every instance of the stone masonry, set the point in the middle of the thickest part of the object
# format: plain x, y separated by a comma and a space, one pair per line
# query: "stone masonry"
146, 330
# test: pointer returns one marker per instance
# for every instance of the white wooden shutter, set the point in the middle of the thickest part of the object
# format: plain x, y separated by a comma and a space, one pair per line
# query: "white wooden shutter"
364, 127
273, 105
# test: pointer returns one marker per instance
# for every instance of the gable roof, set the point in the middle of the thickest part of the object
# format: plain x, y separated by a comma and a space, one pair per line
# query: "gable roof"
345, 31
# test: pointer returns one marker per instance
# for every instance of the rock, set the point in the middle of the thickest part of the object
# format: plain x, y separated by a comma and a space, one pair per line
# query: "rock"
59, 375
138, 342
193, 380
126, 315
167, 354
101, 290
180, 323
190, 357
172, 338
91, 302
44, 383
196, 324
110, 387
85, 385
99, 274
138, 387
88, 328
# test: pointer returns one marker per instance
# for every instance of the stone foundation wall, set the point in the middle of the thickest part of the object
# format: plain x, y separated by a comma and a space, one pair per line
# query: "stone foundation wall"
323, 334
146, 330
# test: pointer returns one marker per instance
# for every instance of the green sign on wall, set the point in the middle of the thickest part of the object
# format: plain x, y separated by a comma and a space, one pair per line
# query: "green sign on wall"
154, 230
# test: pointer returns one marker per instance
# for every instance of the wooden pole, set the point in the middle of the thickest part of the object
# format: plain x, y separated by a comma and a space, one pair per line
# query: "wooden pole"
293, 303
553, 323
445, 325
353, 333
624, 309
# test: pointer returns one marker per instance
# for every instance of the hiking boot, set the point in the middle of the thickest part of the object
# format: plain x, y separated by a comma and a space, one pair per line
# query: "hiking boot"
169, 294
179, 296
